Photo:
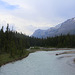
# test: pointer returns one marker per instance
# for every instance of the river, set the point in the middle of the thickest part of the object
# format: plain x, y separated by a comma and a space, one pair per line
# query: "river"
41, 63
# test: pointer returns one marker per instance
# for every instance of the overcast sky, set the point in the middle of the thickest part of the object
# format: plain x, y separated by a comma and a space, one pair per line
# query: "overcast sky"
28, 15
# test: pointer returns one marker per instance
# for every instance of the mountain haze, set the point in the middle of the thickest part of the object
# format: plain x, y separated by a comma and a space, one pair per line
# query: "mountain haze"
63, 28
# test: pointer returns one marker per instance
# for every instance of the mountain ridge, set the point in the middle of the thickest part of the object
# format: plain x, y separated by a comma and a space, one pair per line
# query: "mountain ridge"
64, 28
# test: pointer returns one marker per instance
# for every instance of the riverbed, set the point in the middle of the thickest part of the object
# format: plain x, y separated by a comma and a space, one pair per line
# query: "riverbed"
42, 63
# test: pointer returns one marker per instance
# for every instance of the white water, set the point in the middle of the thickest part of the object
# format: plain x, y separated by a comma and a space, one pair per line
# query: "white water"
41, 63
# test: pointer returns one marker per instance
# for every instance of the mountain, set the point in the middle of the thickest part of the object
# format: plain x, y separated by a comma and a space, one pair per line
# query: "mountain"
63, 28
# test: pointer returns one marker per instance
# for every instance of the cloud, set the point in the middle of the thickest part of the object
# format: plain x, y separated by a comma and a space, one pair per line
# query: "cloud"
5, 5
38, 13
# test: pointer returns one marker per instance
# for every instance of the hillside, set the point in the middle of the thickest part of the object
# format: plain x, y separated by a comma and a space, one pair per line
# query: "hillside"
63, 28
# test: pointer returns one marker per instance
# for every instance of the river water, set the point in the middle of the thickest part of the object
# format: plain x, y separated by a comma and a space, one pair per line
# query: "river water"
42, 63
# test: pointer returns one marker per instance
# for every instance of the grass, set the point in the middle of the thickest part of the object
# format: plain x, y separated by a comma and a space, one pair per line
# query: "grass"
5, 58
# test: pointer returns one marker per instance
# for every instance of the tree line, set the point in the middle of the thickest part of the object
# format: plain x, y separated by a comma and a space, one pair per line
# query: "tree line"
15, 43
62, 41
12, 42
